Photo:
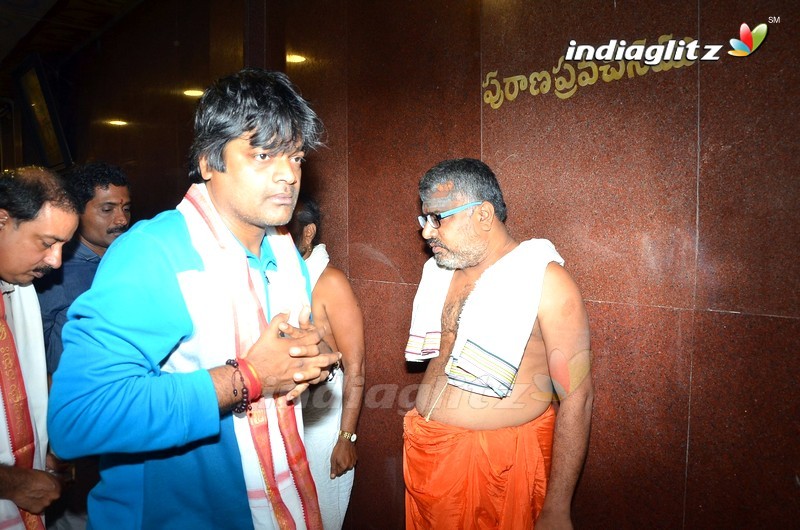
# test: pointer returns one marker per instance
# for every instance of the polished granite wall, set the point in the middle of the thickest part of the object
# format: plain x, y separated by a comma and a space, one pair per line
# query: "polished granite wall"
671, 194
397, 91
137, 73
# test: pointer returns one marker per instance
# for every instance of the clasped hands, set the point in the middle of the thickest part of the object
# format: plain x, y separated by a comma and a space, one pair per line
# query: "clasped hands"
289, 359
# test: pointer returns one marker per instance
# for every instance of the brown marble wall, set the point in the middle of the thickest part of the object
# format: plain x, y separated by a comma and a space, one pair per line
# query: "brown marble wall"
671, 193
137, 73
397, 91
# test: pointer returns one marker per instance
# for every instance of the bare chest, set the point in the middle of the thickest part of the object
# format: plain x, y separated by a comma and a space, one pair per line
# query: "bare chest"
454, 304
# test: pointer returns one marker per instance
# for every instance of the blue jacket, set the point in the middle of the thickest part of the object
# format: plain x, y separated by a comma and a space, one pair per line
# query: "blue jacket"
167, 458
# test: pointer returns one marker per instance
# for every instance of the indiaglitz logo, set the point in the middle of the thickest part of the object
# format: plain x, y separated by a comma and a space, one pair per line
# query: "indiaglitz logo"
651, 55
748, 41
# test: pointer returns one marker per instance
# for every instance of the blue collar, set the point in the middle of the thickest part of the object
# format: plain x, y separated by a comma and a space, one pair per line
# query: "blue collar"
267, 261
84, 253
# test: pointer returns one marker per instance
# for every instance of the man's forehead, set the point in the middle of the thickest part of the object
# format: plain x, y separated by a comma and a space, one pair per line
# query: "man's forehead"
442, 195
106, 193
53, 222
278, 144
443, 189
110, 187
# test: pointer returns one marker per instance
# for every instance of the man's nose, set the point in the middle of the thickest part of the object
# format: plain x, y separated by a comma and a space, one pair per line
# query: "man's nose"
284, 170
53, 257
428, 230
121, 217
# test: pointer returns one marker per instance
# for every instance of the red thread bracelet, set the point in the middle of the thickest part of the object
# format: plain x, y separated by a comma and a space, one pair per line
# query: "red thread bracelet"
252, 381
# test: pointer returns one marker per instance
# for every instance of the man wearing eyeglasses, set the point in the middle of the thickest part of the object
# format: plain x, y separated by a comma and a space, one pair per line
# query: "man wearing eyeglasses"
502, 326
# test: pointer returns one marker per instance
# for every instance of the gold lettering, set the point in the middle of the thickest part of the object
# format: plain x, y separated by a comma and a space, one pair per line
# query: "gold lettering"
543, 78
635, 67
586, 78
566, 80
258, 416
608, 73
14, 395
496, 99
514, 85
565, 86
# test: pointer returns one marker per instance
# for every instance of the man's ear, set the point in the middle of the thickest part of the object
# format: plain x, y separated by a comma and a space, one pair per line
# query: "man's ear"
4, 217
205, 169
486, 215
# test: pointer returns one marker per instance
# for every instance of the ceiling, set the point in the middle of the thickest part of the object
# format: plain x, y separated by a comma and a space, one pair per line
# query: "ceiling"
53, 29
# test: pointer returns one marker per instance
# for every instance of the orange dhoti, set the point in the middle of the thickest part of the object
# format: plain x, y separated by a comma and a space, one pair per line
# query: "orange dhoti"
462, 479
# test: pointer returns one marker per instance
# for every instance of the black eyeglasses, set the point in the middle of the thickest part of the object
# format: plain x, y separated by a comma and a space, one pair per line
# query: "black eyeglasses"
435, 219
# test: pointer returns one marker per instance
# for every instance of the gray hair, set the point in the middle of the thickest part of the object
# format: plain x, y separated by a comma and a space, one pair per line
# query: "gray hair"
472, 180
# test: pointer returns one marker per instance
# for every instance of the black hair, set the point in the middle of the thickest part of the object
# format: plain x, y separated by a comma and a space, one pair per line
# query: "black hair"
472, 181
82, 181
24, 191
255, 101
306, 212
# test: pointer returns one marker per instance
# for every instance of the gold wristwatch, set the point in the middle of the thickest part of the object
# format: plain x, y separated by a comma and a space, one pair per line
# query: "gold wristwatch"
349, 436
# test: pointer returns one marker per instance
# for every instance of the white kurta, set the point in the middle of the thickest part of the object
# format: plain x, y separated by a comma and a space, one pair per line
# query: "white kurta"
25, 320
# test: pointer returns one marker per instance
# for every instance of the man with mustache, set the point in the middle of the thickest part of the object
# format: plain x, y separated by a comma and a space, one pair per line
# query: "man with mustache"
104, 205
37, 217
505, 332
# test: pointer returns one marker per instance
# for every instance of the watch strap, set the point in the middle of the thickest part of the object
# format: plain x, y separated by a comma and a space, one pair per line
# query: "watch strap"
349, 436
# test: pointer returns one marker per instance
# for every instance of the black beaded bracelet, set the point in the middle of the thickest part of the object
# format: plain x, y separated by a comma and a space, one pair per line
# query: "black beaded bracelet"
244, 405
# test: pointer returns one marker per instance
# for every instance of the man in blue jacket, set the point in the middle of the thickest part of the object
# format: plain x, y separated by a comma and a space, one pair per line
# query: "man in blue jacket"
182, 362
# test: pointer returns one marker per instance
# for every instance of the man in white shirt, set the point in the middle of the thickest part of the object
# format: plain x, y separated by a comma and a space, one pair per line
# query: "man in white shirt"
37, 216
